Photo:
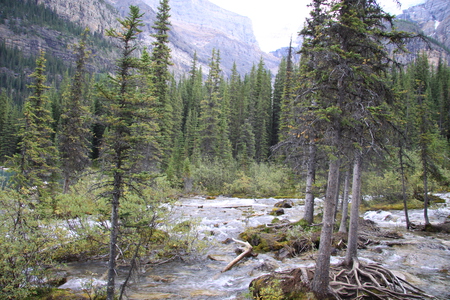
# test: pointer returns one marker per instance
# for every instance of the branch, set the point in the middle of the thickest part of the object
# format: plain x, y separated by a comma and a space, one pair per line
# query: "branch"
247, 251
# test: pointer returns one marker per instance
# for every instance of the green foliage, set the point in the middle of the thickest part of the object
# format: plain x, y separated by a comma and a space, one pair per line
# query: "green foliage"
27, 242
272, 291
75, 120
35, 166
211, 176
260, 180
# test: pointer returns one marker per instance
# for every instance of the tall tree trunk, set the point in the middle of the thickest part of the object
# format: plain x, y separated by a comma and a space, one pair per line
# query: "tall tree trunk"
310, 179
352, 245
337, 195
343, 226
402, 172
114, 235
425, 193
320, 283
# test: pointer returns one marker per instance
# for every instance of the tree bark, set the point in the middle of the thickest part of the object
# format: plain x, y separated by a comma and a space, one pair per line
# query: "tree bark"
113, 236
425, 192
320, 283
343, 226
352, 245
336, 208
310, 179
402, 172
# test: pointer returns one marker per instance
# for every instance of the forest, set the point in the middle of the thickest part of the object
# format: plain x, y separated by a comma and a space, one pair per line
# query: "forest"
91, 161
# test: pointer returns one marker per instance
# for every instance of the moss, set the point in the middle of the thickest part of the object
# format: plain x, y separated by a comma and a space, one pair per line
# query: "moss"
55, 294
277, 286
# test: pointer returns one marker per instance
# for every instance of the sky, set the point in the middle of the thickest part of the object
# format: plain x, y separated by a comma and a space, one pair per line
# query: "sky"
276, 21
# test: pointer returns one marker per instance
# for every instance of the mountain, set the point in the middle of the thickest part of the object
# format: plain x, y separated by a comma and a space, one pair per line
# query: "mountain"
431, 18
198, 26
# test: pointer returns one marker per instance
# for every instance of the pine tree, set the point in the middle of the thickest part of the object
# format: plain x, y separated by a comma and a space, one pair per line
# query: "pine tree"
161, 59
35, 164
345, 62
277, 98
129, 139
262, 113
211, 109
8, 128
75, 121
429, 143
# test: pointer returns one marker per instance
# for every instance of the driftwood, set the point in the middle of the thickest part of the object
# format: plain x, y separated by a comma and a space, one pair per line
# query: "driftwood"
247, 251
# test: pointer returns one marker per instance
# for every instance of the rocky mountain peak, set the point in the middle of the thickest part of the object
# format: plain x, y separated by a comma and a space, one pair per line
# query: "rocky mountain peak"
433, 19
200, 26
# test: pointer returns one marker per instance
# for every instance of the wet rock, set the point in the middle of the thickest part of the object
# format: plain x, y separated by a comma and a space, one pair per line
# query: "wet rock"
284, 204
277, 212
218, 257
283, 253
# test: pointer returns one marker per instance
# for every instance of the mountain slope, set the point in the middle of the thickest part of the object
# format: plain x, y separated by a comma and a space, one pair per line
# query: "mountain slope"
431, 18
200, 26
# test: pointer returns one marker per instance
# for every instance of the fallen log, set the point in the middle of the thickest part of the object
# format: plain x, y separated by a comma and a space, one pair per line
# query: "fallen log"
247, 251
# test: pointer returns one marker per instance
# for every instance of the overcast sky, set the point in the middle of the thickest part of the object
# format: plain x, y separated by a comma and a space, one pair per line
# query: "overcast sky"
275, 21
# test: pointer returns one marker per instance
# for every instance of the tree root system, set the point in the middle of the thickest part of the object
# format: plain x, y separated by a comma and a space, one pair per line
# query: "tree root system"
360, 282
371, 281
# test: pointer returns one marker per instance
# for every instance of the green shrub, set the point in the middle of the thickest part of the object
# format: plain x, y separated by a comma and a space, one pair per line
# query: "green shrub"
260, 180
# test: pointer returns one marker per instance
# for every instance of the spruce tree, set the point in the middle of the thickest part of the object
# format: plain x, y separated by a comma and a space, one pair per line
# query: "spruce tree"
130, 134
429, 143
35, 165
211, 110
161, 60
75, 121
345, 94
8, 127
262, 112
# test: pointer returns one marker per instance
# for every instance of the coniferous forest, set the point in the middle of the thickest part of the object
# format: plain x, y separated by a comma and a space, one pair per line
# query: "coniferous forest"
118, 146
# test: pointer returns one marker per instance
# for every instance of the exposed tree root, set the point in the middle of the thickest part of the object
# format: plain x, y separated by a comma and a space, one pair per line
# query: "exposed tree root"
371, 281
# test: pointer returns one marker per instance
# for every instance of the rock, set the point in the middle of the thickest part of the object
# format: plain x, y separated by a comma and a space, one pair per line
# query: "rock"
285, 204
283, 253
277, 212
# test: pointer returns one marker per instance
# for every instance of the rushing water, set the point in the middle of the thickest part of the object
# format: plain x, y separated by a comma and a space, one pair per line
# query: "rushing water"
423, 260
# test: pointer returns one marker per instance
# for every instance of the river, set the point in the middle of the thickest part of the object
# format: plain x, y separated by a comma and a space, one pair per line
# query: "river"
423, 260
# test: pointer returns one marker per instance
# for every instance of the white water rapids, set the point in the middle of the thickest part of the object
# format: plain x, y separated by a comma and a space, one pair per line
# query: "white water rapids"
423, 260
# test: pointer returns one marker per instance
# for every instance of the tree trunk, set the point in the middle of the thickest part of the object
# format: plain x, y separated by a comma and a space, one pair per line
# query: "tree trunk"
352, 246
310, 179
343, 226
425, 194
114, 235
336, 208
402, 172
320, 283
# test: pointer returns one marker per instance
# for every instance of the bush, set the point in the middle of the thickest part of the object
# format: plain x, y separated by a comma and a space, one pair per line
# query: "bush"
260, 180
212, 176
26, 242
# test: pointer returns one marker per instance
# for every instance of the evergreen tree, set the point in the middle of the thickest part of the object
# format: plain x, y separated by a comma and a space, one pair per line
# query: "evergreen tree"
161, 59
8, 126
429, 144
262, 113
238, 108
74, 132
129, 139
345, 62
211, 110
35, 164
277, 98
